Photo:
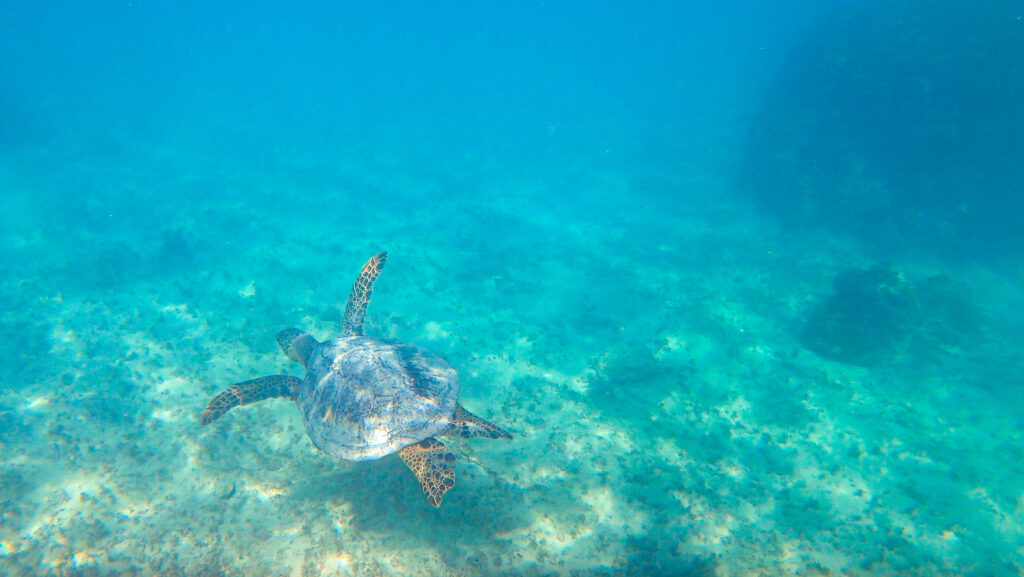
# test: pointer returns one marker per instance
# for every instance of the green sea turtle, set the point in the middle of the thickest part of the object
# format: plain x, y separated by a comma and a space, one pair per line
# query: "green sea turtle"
364, 398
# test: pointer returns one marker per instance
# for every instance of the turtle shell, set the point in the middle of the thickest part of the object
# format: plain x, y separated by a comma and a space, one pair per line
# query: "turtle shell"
363, 398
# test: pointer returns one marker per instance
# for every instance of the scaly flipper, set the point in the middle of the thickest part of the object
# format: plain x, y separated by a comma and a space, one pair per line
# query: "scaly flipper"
359, 298
466, 424
434, 465
249, 392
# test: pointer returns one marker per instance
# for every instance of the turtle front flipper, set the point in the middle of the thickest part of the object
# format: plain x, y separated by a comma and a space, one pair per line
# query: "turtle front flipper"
359, 298
466, 424
249, 392
434, 466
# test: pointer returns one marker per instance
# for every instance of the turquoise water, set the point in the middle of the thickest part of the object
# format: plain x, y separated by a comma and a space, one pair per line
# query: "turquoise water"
744, 282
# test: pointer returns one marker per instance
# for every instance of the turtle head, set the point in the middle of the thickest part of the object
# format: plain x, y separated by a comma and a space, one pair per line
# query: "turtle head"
296, 345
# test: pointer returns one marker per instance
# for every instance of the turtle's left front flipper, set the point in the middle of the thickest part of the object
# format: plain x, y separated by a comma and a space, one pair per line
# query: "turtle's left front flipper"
249, 392
434, 466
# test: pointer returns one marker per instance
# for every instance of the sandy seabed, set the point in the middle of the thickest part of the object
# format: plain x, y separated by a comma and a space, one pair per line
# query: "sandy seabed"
667, 420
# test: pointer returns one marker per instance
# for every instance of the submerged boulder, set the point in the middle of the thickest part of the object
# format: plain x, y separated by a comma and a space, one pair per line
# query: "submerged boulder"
870, 314
876, 317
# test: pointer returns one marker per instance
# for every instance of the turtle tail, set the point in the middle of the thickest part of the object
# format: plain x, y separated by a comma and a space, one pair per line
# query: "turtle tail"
249, 392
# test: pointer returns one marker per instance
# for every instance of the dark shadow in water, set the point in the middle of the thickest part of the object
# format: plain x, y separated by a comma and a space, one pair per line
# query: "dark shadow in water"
25, 351
482, 510
385, 498
899, 122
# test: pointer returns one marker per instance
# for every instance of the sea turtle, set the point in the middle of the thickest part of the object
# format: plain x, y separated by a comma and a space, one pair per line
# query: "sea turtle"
364, 398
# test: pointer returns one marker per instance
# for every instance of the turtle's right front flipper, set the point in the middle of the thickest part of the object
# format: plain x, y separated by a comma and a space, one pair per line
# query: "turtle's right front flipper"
249, 392
359, 298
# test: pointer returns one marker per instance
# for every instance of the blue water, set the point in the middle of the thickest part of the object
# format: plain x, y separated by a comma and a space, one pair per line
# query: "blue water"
744, 282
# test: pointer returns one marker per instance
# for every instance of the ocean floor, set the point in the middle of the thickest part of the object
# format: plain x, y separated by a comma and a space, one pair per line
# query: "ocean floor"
637, 332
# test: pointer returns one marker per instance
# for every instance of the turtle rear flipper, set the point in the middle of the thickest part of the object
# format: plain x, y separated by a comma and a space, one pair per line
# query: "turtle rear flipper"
434, 466
249, 392
466, 424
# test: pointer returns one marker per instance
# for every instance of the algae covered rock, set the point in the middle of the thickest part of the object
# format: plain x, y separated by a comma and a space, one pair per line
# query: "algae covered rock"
876, 316
870, 314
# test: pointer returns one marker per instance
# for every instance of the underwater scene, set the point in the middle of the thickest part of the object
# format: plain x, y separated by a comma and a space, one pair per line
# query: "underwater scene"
531, 288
